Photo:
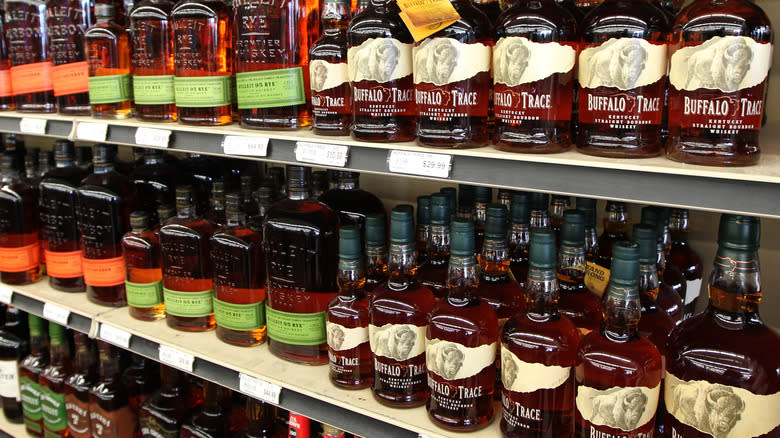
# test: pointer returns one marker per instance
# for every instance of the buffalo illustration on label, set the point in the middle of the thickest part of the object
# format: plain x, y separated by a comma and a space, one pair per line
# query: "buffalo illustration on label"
622, 63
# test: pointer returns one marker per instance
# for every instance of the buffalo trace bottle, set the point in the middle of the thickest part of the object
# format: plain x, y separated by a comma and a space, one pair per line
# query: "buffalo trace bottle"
108, 56
203, 62
239, 278
143, 269
379, 57
152, 58
622, 78
685, 259
615, 229
452, 81
721, 54
331, 95
519, 235
588, 207
399, 319
77, 384
52, 382
538, 354
6, 90
721, 371
347, 327
533, 77
109, 409
433, 274
376, 251
30, 369
620, 403
66, 22
671, 283
423, 229
19, 240
164, 412
300, 238
461, 343
14, 346
187, 270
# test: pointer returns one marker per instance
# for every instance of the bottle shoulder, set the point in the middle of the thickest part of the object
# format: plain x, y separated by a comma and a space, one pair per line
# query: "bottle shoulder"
624, 19
603, 353
307, 212
548, 23
558, 337
377, 23
739, 17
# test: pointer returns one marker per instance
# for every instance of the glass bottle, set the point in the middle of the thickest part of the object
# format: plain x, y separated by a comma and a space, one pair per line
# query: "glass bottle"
108, 56
496, 287
615, 229
19, 238
558, 205
540, 215
398, 312
331, 94
721, 53
261, 418
299, 426
588, 207
635, 368
533, 106
482, 197
423, 230
452, 201
347, 325
151, 33
320, 183
216, 214
141, 378
461, 343
211, 420
143, 268
154, 182
380, 58
52, 383
109, 408
538, 354
188, 282
721, 360
351, 202
239, 279
685, 258
576, 302
203, 62
14, 346
376, 252
77, 385
622, 78
66, 22
519, 235
671, 282
491, 8
200, 172
105, 199
30, 370
6, 90
300, 238
433, 274
163, 413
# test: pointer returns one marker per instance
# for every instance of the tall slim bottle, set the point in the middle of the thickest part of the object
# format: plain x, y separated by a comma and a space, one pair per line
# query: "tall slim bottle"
671, 283
52, 382
143, 269
30, 369
14, 346
376, 252
519, 235
433, 274
19, 230
685, 258
588, 207
77, 384
66, 21
109, 408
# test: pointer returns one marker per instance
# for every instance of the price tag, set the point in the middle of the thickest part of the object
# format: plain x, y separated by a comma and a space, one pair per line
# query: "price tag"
115, 335
56, 313
6, 295
152, 137
322, 153
259, 388
420, 163
91, 131
175, 358
32, 126
252, 146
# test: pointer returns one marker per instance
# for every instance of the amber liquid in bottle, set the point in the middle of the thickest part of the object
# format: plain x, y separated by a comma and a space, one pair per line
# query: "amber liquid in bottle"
331, 93
77, 386
433, 274
67, 20
143, 269
496, 287
109, 408
6, 90
576, 302
52, 381
30, 369
519, 237
19, 240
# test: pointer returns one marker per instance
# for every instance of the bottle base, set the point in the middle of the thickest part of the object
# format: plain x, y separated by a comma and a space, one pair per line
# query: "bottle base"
350, 384
300, 354
32, 108
20, 278
401, 401
71, 285
530, 147
112, 116
247, 338
460, 424
710, 157
186, 324
76, 110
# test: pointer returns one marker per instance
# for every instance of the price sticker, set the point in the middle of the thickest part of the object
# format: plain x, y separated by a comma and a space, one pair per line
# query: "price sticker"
6, 295
175, 358
419, 163
56, 313
32, 126
91, 131
152, 137
321, 153
251, 146
259, 388
114, 335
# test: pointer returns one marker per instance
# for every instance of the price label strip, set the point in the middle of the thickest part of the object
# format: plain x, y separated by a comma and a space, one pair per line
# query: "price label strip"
56, 313
324, 154
114, 335
250, 146
259, 389
175, 358
152, 137
6, 295
32, 126
91, 131
419, 163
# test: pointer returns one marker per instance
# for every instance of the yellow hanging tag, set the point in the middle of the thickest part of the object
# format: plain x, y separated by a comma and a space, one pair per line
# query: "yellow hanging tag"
426, 17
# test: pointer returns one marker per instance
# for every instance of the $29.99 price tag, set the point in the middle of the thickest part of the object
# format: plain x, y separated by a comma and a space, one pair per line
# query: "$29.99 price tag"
419, 163
322, 153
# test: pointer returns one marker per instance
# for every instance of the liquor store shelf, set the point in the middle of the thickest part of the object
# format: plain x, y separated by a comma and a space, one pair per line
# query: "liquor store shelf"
658, 180
305, 389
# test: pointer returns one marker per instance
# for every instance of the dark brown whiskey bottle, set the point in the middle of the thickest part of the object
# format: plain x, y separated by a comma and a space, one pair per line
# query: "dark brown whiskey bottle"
211, 420
433, 274
110, 414
66, 21
351, 202
30, 370
52, 382
19, 230
685, 258
77, 386
164, 412
376, 252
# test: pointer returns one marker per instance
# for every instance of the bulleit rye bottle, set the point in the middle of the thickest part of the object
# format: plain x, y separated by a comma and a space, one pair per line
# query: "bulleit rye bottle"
143, 269
66, 21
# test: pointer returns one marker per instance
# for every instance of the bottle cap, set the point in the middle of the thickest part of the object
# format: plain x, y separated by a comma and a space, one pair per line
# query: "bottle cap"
540, 201
103, 153
35, 324
440, 211
652, 216
83, 154
588, 206
625, 264
483, 194
349, 243
542, 254
165, 212
64, 150
375, 230
462, 238
139, 220
573, 229
104, 10
452, 198
495, 221
184, 196
742, 233
645, 236
520, 208
423, 210
402, 225
233, 203
319, 179
265, 193
466, 195
298, 177
218, 189
56, 334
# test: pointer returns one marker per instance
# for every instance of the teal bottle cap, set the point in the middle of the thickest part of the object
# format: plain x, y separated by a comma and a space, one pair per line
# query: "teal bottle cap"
521, 213
462, 238
741, 233
573, 229
349, 243
645, 236
452, 199
588, 206
653, 216
540, 201
625, 264
495, 221
440, 210
424, 210
375, 230
483, 194
402, 225
543, 255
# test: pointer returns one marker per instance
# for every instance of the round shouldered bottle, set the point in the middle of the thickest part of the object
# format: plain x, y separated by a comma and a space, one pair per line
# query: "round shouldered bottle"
376, 252
108, 57
143, 269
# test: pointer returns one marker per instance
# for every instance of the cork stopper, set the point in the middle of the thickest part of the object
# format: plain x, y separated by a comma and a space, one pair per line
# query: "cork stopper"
645, 236
573, 229
738, 232
542, 254
462, 238
349, 243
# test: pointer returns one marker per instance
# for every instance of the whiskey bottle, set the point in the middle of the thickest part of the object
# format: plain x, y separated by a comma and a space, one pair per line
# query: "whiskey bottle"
615, 229
671, 282
151, 32
452, 200
109, 408
540, 215
239, 279
376, 252
423, 230
66, 22
347, 325
203, 62
141, 378
533, 106
6, 89
351, 202
558, 205
491, 8
188, 283
576, 302
300, 239
634, 380
588, 207
433, 274
685, 259
52, 383
482, 197
19, 240
143, 269
538, 354
261, 418
519, 235
211, 420
108, 56
299, 426
622, 78
452, 81
331, 94
216, 214
154, 182
200, 172
30, 370
721, 54
320, 183
14, 346
248, 203
164, 412
722, 361
380, 58
77, 386
399, 320
504, 197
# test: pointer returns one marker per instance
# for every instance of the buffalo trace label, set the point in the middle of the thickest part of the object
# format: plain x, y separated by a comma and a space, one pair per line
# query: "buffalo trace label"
623, 408
341, 340
328, 95
380, 70
399, 360
451, 362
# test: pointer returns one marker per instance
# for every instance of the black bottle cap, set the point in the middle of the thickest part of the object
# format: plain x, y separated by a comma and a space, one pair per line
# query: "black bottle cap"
625, 264
645, 236
542, 254
349, 243
588, 206
402, 225
521, 213
423, 210
741, 233
139, 220
652, 216
466, 195
440, 210
462, 237
495, 221
375, 230
64, 150
540, 201
298, 177
265, 192
233, 203
573, 229
483, 194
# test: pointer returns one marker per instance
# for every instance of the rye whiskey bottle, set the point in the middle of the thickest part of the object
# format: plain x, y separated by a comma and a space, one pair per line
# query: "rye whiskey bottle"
721, 54
164, 412
685, 259
300, 238
188, 283
19, 240
519, 235
423, 230
6, 89
399, 319
622, 78
109, 408
14, 346
108, 56
143, 269
433, 274
623, 401
77, 385
30, 370
347, 326
538, 354
380, 71
615, 229
533, 77
376, 252
461, 343
52, 382
154, 182
576, 302
66, 22
721, 377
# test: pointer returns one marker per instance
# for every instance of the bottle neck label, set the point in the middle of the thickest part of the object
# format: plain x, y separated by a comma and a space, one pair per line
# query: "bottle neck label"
342, 338
596, 278
623, 408
514, 372
737, 262
399, 342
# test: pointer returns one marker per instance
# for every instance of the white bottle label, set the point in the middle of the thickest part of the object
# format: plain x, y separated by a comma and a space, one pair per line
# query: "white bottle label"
515, 374
518, 60
622, 63
624, 408
453, 361
325, 75
692, 290
342, 338
397, 341
9, 379
380, 60
442, 61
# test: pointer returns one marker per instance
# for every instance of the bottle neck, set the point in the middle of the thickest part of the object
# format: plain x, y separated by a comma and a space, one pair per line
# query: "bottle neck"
571, 268
109, 366
735, 282
39, 343
185, 211
65, 162
542, 294
83, 360
494, 258
540, 219
348, 184
479, 213
235, 218
402, 266
648, 281
438, 247
299, 194
351, 279
103, 168
616, 222
621, 313
462, 279
59, 352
